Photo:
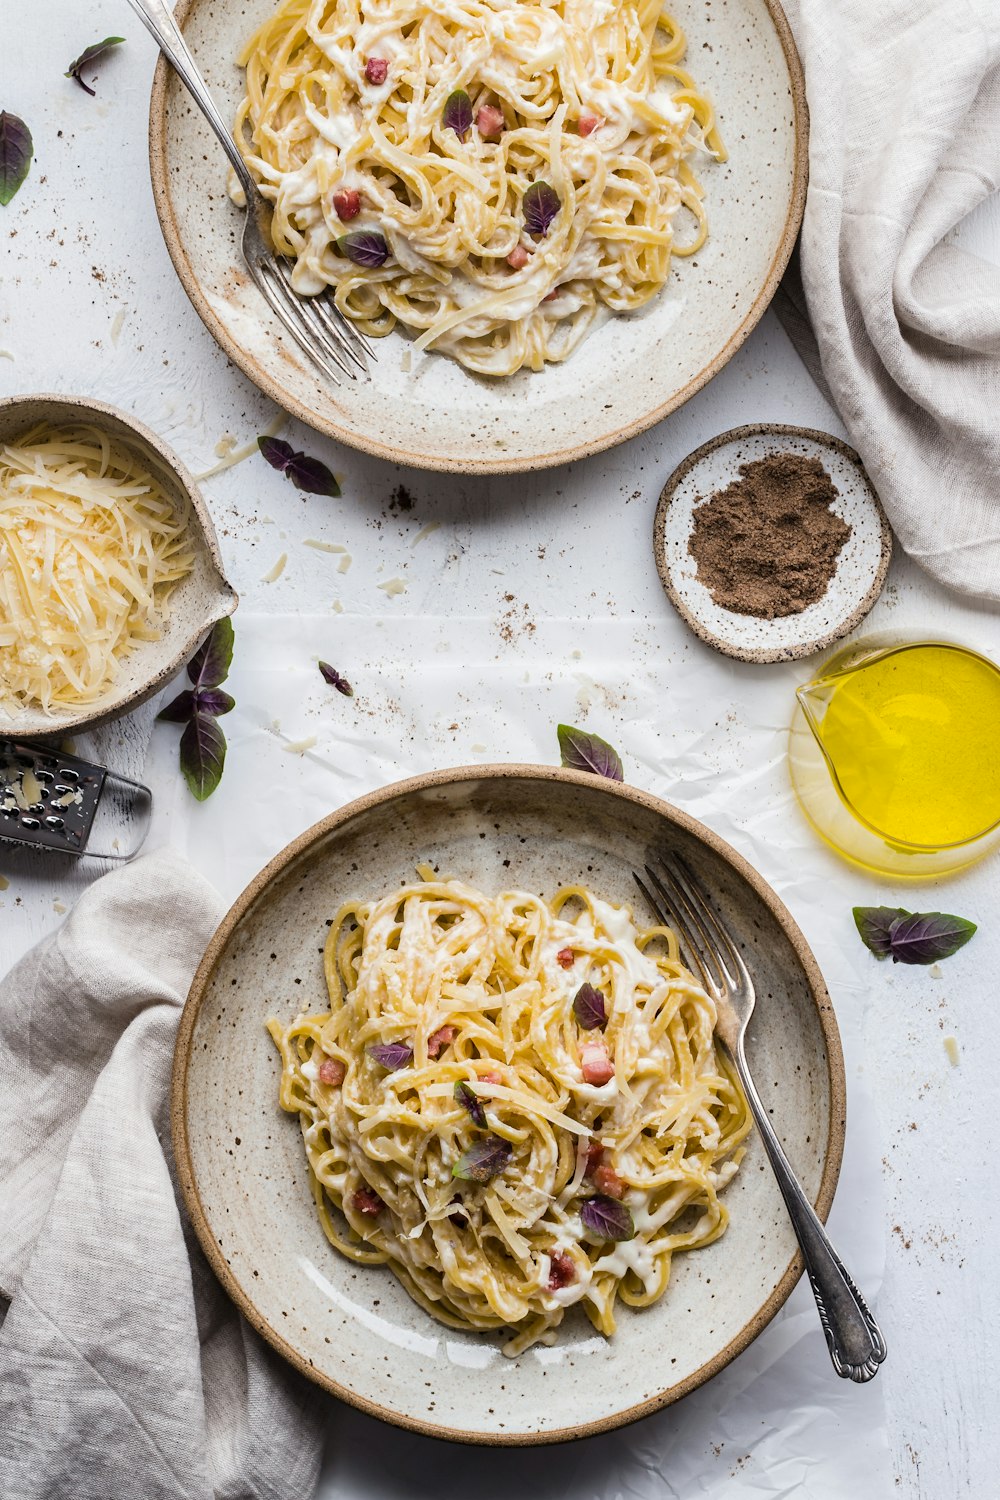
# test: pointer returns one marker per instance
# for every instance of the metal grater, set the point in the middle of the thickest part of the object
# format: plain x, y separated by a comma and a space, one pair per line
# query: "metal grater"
60, 802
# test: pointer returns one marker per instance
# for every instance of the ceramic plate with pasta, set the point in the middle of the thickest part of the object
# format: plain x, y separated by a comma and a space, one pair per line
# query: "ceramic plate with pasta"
555, 219
451, 1121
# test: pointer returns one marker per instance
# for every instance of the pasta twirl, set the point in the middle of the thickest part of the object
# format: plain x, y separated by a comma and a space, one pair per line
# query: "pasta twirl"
516, 1104
350, 124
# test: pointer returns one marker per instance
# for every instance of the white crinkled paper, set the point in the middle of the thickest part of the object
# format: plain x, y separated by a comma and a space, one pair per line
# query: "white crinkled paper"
707, 734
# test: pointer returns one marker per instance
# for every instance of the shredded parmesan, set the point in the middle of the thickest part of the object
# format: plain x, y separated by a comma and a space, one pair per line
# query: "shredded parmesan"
311, 541
299, 747
393, 587
277, 570
233, 455
951, 1048
91, 547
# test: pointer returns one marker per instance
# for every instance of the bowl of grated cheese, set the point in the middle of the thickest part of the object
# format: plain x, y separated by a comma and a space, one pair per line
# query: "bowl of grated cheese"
110, 571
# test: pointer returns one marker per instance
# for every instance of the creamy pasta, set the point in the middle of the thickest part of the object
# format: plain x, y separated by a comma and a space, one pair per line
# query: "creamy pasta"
516, 1104
490, 174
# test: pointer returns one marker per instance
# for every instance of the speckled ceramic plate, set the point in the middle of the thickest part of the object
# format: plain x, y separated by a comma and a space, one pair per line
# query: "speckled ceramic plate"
861, 566
200, 599
242, 1168
626, 376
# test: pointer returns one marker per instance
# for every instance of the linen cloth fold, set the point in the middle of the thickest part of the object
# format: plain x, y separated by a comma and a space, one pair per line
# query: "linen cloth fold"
125, 1371
904, 106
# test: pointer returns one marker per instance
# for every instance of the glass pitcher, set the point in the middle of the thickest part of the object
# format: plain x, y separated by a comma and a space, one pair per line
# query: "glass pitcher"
894, 753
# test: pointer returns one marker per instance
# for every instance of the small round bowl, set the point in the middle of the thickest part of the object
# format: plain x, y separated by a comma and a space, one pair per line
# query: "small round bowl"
198, 600
861, 567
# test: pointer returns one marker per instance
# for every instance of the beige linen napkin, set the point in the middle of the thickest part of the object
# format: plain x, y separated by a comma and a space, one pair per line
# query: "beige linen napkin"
125, 1372
904, 105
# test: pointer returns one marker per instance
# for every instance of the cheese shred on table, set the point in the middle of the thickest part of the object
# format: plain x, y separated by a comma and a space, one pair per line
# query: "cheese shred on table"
91, 547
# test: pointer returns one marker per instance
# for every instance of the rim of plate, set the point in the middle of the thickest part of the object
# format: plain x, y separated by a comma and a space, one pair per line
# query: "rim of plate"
256, 888
762, 653
371, 443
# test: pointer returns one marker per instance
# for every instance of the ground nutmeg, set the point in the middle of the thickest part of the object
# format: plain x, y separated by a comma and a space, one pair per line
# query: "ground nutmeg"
767, 545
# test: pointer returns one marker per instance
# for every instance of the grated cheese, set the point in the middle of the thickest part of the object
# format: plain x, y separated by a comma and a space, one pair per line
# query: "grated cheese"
311, 541
274, 573
91, 547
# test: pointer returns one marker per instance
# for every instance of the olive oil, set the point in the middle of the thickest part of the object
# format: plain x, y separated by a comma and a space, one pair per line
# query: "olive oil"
912, 737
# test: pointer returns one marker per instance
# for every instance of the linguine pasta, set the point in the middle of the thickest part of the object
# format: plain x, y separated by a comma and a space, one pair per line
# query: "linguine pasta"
516, 1104
490, 174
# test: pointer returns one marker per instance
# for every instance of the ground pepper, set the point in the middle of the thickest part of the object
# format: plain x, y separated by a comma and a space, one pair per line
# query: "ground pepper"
767, 545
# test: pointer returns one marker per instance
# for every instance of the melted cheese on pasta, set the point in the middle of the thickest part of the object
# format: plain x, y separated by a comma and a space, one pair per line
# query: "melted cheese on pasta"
594, 103
90, 548
478, 993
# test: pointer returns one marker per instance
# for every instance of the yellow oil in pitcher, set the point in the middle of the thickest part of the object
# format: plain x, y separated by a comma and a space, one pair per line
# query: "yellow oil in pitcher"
895, 756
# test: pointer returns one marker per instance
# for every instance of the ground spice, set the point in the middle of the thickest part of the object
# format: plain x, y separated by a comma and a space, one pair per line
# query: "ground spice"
767, 545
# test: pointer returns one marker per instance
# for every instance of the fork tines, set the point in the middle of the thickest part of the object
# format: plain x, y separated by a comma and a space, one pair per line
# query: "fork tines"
681, 902
326, 337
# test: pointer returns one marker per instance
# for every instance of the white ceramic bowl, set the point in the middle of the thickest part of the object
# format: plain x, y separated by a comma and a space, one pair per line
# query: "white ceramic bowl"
196, 603
242, 1166
627, 375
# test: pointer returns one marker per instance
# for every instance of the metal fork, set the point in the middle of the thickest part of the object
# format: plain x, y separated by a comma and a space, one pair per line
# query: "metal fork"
333, 344
855, 1341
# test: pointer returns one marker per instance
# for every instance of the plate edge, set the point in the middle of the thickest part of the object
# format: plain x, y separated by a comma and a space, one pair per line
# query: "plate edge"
837, 1121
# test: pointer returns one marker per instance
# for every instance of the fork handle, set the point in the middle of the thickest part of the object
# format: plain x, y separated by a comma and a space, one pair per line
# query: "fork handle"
158, 18
853, 1337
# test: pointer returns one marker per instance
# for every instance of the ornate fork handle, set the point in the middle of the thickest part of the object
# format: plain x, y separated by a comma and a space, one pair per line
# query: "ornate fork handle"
853, 1337
158, 19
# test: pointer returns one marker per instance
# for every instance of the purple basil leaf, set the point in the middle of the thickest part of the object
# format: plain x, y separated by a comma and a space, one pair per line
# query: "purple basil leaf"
590, 1008
278, 453
588, 752
457, 113
203, 755
472, 1102
179, 709
925, 936
307, 474
484, 1159
607, 1219
333, 677
209, 666
91, 54
214, 701
312, 476
391, 1055
15, 154
874, 923
540, 204
365, 247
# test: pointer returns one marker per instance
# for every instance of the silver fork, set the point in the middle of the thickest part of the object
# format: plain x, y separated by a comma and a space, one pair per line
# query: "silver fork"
855, 1341
333, 344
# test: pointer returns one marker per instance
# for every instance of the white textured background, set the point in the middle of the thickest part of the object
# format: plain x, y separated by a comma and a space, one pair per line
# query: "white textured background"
89, 304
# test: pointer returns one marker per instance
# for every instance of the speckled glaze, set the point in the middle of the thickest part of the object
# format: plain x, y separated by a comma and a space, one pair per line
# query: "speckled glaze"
630, 372
197, 601
242, 1167
861, 567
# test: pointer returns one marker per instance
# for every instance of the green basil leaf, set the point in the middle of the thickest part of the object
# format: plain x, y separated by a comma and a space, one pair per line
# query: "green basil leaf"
16, 151
203, 755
